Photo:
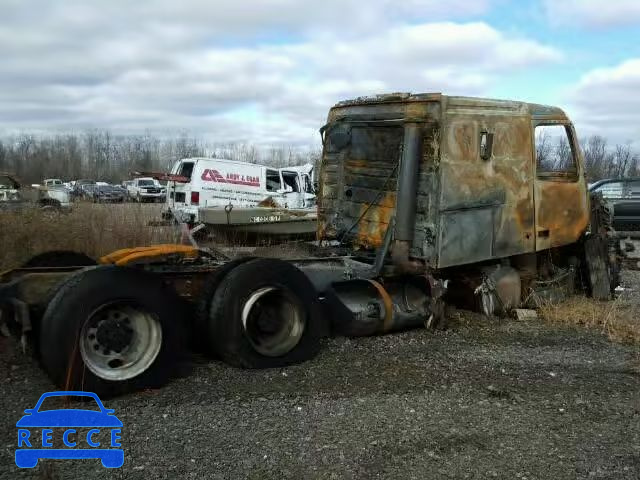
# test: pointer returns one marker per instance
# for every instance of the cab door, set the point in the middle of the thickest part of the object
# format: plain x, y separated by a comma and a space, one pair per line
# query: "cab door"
561, 200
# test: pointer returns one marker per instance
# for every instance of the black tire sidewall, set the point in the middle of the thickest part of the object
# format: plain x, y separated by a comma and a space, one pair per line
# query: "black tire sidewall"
201, 330
81, 295
226, 329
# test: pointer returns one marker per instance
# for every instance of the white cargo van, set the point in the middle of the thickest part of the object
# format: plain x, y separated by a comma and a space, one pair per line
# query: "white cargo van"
195, 183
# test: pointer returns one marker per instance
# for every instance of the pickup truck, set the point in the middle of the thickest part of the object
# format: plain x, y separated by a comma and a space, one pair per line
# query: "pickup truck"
13, 194
623, 194
146, 189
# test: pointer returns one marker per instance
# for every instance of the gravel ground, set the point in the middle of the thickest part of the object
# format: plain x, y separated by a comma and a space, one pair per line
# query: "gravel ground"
484, 399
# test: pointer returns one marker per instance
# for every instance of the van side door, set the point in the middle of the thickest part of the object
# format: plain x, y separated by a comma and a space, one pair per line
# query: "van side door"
561, 201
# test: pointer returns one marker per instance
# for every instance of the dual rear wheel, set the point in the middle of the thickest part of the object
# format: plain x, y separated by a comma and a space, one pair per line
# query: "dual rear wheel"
263, 313
111, 329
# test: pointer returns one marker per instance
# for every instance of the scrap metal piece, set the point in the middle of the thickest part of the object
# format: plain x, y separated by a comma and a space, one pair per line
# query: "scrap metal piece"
437, 306
524, 314
129, 256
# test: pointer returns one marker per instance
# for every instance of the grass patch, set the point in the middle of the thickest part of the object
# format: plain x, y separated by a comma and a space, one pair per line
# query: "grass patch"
92, 229
617, 319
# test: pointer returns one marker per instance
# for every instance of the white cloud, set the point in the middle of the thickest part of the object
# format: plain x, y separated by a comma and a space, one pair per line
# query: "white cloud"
606, 102
593, 13
262, 71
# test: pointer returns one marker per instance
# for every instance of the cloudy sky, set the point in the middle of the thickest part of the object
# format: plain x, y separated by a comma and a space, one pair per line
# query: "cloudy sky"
266, 71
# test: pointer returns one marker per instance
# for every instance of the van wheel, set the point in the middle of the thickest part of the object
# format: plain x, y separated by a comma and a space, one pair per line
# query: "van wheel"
111, 330
265, 314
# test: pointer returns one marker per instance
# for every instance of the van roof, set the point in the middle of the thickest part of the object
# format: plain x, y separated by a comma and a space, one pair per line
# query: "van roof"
218, 160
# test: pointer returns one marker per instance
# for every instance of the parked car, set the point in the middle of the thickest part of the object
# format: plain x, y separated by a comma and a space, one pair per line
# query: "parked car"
125, 185
624, 195
85, 191
78, 190
123, 190
147, 189
107, 194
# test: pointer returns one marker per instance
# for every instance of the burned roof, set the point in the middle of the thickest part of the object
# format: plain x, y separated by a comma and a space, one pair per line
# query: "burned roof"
534, 109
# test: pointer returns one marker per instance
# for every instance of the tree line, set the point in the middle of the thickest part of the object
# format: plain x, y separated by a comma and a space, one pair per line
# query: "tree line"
101, 155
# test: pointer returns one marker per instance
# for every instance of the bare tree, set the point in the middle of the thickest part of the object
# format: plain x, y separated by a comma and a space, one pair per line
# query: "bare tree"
595, 156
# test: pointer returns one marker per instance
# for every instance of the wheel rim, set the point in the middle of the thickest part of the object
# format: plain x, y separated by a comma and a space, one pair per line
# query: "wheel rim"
120, 341
273, 321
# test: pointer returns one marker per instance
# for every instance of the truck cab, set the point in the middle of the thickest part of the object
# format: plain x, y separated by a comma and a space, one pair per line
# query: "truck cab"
463, 179
53, 182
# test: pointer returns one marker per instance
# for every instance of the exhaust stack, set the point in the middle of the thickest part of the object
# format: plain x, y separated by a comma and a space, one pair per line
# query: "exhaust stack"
406, 199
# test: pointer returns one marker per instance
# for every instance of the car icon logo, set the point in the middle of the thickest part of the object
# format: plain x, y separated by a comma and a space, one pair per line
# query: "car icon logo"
32, 447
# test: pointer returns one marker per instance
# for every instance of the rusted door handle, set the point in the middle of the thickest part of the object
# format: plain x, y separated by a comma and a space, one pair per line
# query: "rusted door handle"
543, 233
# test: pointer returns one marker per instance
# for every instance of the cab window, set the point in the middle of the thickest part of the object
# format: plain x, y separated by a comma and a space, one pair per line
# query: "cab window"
554, 151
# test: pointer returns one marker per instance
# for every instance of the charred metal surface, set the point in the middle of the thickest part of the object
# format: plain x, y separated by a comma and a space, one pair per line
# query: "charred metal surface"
479, 196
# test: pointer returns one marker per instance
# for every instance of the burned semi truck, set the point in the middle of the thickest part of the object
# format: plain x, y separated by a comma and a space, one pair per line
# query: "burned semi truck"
424, 200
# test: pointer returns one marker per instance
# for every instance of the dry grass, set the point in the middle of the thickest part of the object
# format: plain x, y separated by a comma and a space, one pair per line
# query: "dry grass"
92, 229
618, 319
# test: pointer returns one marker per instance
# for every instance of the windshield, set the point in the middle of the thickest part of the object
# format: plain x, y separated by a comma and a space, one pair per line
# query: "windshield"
146, 182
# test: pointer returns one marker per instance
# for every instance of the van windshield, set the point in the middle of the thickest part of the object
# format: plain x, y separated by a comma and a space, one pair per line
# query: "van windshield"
291, 180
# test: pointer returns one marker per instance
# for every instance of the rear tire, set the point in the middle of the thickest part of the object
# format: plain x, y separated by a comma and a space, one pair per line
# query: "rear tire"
111, 330
201, 328
265, 314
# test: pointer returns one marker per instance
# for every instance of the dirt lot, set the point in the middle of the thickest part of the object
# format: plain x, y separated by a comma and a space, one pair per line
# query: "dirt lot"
484, 399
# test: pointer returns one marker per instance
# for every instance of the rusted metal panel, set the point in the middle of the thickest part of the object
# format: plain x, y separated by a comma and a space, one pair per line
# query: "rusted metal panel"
486, 206
562, 213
